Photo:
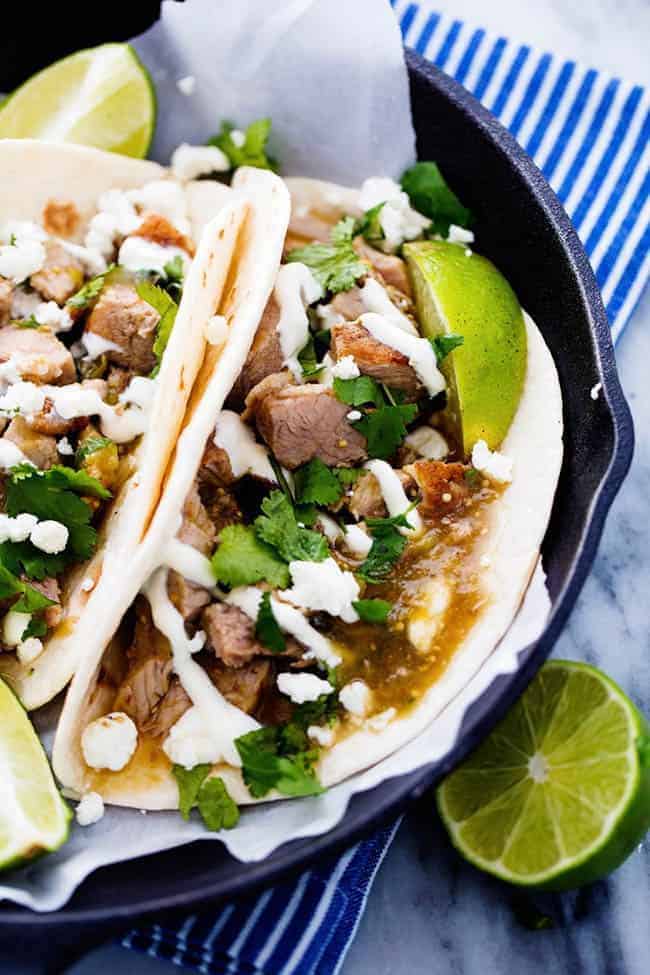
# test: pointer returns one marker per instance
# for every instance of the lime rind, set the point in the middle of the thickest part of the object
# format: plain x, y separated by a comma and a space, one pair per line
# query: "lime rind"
592, 808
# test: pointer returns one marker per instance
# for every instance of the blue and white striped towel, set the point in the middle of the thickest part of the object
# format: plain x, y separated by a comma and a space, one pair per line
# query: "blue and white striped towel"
589, 134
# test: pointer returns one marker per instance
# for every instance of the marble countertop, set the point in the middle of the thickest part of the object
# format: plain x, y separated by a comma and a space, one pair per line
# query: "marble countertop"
429, 913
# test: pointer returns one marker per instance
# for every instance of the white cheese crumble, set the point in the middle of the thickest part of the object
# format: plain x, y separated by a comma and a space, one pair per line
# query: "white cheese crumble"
329, 527
140, 254
20, 260
164, 197
595, 391
87, 584
245, 454
189, 742
23, 397
394, 494
303, 687
321, 735
418, 351
64, 447
459, 235
187, 84
380, 721
189, 162
427, 442
109, 742
10, 455
116, 217
28, 650
17, 529
48, 313
323, 586
295, 289
90, 809
216, 330
397, 218
13, 626
497, 467
355, 697
357, 540
345, 368
353, 415
50, 536
238, 137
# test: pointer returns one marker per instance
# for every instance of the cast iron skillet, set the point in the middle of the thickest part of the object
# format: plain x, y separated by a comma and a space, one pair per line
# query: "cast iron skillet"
524, 230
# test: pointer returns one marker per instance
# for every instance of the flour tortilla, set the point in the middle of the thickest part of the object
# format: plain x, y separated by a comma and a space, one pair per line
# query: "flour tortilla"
517, 523
31, 174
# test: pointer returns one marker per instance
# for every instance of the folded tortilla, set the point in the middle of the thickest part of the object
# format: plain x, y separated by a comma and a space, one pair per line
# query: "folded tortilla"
509, 550
32, 173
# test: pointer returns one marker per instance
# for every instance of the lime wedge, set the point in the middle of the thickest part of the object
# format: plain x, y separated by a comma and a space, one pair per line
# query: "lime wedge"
100, 97
559, 794
459, 292
34, 819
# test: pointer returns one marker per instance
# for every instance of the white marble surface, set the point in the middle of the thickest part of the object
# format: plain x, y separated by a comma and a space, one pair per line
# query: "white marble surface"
430, 914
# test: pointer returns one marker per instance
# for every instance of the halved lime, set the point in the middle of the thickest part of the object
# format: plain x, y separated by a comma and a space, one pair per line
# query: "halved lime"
457, 291
100, 97
559, 794
34, 819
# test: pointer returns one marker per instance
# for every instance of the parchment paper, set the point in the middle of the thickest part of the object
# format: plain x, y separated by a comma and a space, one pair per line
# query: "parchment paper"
330, 74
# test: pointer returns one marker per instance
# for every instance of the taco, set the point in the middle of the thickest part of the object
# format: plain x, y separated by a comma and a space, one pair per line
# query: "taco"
101, 255
346, 558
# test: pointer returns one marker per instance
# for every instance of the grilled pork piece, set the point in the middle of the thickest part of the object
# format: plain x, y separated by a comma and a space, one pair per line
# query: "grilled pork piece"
373, 358
161, 231
243, 686
443, 487
38, 354
265, 356
37, 447
391, 269
302, 422
61, 275
366, 499
123, 318
197, 529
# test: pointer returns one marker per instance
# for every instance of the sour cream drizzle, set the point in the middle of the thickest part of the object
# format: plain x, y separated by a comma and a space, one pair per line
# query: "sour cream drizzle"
223, 721
417, 350
245, 454
289, 619
376, 299
189, 563
393, 493
295, 289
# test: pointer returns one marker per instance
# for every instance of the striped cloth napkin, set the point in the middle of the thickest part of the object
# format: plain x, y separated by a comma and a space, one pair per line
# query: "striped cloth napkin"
589, 135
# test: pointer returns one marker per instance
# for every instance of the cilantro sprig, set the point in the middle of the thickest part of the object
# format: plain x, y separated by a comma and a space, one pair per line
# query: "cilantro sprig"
388, 544
167, 308
385, 427
215, 804
275, 758
430, 195
90, 292
369, 225
372, 610
335, 265
444, 344
253, 150
242, 559
278, 527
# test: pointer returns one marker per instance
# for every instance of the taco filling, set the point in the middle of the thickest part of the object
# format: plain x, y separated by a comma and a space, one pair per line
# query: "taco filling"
332, 548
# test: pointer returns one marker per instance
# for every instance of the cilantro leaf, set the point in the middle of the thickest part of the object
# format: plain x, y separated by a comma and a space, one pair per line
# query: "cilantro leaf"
267, 630
189, 782
394, 521
174, 270
30, 599
90, 446
90, 292
278, 527
54, 495
36, 627
217, 807
347, 475
430, 195
359, 391
369, 225
24, 558
167, 308
385, 428
270, 761
372, 610
316, 483
387, 547
444, 344
26, 322
252, 152
336, 266
242, 559
309, 360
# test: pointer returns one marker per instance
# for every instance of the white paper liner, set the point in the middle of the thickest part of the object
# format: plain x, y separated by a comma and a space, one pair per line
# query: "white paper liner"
330, 74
